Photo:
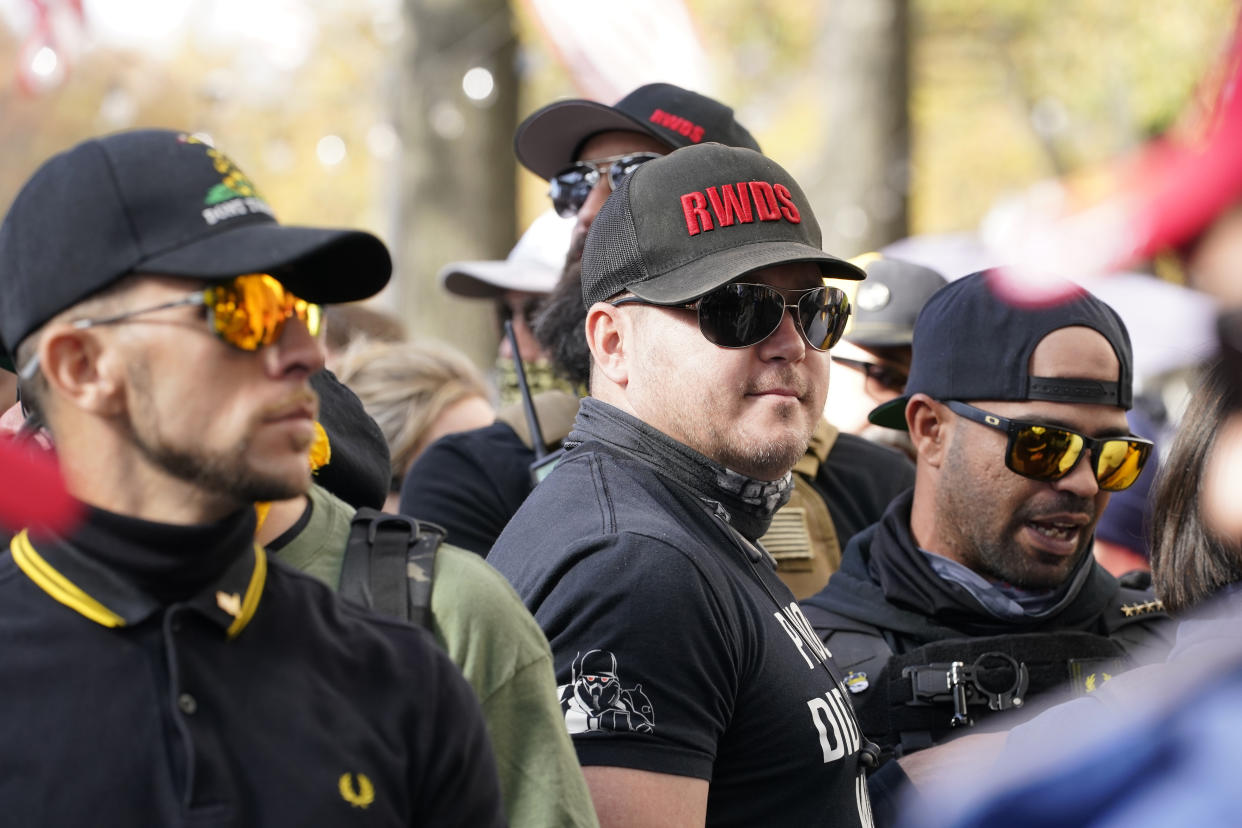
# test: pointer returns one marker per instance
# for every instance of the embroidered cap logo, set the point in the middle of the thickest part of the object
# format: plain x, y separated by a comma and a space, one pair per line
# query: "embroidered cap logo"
740, 204
235, 195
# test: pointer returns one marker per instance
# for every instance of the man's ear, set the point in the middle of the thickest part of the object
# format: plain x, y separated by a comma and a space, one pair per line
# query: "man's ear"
608, 331
928, 422
81, 370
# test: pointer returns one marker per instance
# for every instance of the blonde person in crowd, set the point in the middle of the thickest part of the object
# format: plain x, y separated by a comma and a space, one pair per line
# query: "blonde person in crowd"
417, 393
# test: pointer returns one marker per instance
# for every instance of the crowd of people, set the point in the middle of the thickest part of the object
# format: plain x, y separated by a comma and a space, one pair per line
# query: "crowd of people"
324, 574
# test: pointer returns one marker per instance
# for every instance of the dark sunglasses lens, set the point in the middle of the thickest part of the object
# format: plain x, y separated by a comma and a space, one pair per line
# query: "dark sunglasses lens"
737, 316
823, 313
622, 167
570, 187
1120, 463
1044, 453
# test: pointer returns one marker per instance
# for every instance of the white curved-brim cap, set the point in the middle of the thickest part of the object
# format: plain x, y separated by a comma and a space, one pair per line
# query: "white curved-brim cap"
533, 266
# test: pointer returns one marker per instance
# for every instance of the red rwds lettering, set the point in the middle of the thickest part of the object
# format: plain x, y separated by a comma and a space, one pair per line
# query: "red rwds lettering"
788, 209
731, 204
694, 206
765, 201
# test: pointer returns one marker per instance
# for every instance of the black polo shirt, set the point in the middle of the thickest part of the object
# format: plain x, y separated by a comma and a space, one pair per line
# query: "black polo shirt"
166, 675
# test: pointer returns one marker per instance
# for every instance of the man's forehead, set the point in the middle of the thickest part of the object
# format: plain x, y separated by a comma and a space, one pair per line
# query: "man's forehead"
1075, 352
617, 142
1091, 419
789, 275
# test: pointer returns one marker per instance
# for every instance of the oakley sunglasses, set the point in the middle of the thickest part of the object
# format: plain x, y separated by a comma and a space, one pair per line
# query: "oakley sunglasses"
739, 314
570, 188
1048, 452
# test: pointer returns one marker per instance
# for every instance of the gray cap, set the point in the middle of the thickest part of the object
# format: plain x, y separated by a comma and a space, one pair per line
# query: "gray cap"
890, 300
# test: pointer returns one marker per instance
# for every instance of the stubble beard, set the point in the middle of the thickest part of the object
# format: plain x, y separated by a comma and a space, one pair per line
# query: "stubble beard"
963, 509
228, 473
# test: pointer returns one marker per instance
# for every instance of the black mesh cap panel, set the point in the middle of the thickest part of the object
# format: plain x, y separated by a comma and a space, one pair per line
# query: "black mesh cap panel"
612, 260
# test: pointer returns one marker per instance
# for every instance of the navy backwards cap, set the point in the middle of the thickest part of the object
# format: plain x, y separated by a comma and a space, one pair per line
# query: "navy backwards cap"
165, 203
971, 344
549, 139
696, 219
359, 469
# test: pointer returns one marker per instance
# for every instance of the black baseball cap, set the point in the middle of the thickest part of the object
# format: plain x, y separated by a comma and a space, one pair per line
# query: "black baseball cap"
887, 304
698, 218
549, 139
970, 344
160, 202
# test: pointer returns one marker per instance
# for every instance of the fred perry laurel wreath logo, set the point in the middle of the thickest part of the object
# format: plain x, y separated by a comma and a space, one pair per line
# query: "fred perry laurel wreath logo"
359, 796
235, 195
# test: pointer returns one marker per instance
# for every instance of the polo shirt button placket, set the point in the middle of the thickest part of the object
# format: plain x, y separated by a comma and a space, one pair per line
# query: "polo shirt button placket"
187, 703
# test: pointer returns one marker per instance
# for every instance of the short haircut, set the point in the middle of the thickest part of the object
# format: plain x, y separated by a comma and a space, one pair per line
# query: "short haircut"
1190, 561
404, 387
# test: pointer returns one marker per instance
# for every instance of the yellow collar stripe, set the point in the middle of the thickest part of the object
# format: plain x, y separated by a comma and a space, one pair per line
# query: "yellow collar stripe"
251, 602
58, 586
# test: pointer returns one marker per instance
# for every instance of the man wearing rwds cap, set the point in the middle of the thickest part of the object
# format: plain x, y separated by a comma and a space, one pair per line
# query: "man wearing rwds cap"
1018, 417
164, 330
693, 687
472, 482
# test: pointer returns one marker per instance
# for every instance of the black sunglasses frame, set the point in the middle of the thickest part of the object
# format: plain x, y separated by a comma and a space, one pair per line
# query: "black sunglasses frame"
1091, 445
839, 307
569, 196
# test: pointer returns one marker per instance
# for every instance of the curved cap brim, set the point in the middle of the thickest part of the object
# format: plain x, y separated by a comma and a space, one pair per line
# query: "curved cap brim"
689, 282
319, 265
489, 279
546, 141
891, 414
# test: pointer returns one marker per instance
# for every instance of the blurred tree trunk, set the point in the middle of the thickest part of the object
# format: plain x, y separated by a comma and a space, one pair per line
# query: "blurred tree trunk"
457, 171
859, 188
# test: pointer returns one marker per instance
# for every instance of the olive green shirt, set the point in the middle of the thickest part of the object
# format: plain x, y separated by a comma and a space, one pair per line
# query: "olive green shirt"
483, 626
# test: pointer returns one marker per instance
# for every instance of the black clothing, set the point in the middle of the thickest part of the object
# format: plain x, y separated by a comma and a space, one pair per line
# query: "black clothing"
174, 675
472, 482
677, 648
858, 480
886, 601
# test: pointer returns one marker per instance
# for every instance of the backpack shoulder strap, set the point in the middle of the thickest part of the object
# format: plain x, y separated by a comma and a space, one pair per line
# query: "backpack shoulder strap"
389, 564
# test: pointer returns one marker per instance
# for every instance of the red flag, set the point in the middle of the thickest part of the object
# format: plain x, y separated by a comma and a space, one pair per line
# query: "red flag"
32, 492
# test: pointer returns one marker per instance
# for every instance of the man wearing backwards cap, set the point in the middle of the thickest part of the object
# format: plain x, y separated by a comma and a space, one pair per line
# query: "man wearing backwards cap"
693, 687
160, 319
1018, 417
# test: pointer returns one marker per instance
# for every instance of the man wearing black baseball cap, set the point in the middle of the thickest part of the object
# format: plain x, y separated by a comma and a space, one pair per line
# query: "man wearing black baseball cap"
1018, 417
165, 329
693, 687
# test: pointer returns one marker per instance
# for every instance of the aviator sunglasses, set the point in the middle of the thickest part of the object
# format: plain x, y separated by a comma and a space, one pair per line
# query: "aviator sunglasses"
571, 187
1047, 452
248, 312
739, 314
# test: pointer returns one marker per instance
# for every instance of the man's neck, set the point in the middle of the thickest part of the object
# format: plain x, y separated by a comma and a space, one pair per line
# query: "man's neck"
280, 517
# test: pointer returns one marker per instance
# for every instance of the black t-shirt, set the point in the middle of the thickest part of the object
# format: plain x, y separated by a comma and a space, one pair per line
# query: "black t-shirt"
857, 482
167, 675
471, 483
677, 649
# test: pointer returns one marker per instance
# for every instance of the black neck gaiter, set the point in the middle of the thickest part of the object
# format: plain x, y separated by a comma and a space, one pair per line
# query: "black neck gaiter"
747, 504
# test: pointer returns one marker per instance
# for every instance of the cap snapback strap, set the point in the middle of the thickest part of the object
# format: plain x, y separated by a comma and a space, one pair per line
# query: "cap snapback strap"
1063, 389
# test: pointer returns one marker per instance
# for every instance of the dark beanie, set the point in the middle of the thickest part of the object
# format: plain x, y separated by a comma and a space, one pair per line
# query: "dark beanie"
358, 468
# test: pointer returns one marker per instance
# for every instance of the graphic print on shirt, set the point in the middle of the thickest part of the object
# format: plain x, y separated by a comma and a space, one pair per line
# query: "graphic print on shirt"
831, 715
595, 700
